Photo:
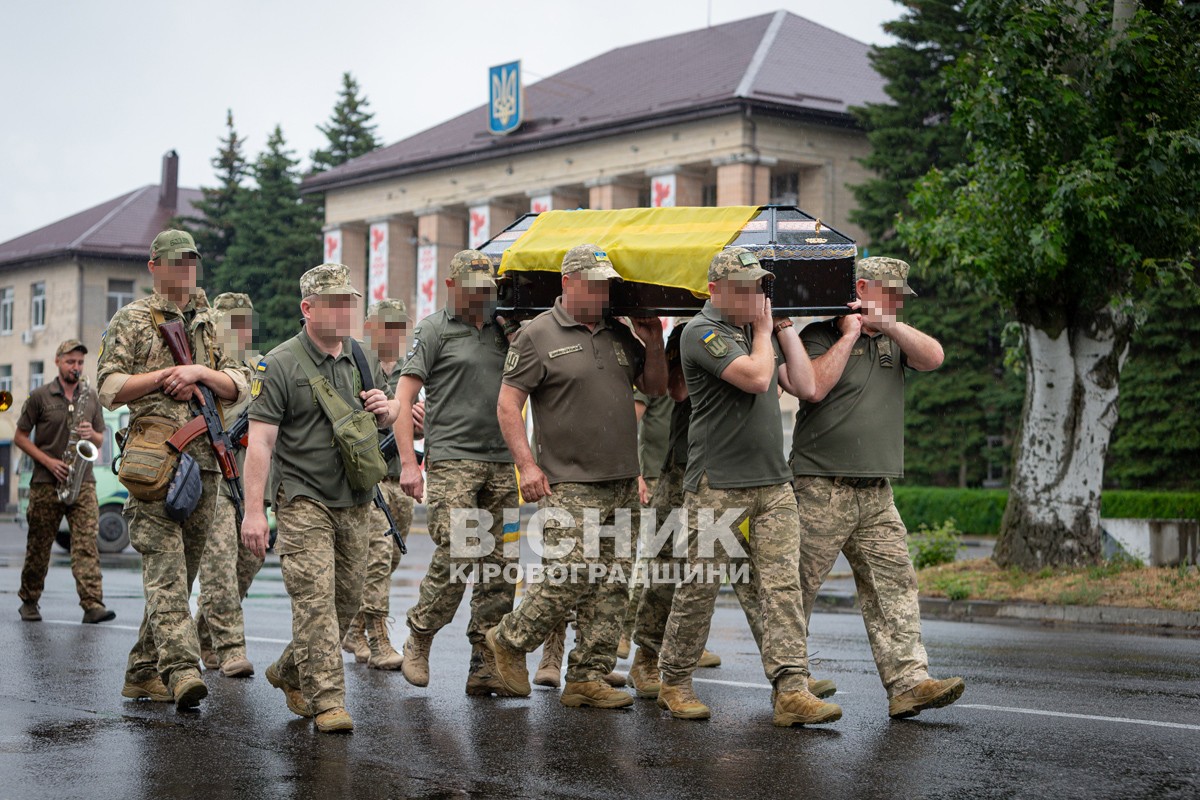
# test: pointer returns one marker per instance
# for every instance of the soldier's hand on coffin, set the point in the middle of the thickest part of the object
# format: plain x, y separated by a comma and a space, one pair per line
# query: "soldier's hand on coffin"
850, 325
648, 329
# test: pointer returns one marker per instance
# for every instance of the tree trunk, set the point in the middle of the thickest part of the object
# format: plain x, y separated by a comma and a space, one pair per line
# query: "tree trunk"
1053, 512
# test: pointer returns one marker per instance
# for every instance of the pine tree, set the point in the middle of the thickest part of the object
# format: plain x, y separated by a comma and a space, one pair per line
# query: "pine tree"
213, 227
349, 131
277, 237
953, 413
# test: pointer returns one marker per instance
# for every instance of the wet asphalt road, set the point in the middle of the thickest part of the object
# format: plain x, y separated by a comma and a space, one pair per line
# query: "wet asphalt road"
1047, 713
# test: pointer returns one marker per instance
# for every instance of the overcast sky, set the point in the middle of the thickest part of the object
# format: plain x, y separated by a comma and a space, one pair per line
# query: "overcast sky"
95, 92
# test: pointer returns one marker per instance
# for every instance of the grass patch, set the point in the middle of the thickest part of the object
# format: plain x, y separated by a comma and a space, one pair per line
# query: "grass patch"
1121, 583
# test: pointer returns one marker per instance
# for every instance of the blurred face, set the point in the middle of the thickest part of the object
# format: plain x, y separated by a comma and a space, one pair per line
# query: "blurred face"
70, 366
330, 316
879, 299
586, 299
738, 301
467, 300
236, 332
385, 338
176, 276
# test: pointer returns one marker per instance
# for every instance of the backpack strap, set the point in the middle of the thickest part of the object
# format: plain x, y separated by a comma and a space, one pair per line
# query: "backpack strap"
360, 359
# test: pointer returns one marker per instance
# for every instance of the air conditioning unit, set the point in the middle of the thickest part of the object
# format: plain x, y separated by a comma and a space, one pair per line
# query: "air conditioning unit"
27, 337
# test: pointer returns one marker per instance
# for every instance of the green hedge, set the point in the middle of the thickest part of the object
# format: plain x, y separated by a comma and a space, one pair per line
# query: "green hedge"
979, 511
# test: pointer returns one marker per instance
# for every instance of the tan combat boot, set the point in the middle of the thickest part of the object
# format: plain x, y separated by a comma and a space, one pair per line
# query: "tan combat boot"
708, 660
150, 689
644, 673
356, 640
510, 667
597, 694
926, 694
334, 720
623, 647
210, 659
416, 658
481, 675
295, 698
237, 667
550, 669
801, 707
383, 655
822, 688
682, 702
189, 691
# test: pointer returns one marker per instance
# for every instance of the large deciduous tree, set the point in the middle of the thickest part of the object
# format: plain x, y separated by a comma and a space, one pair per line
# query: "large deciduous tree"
1080, 189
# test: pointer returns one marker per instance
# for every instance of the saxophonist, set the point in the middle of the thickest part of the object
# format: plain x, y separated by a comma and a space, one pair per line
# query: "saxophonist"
63, 413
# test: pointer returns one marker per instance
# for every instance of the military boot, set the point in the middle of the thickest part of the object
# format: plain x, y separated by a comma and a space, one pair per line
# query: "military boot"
623, 647
926, 694
189, 691
822, 688
615, 680
237, 667
383, 655
416, 658
644, 673
150, 689
481, 675
210, 659
550, 669
356, 640
682, 702
801, 707
708, 660
334, 720
510, 666
30, 612
295, 698
597, 694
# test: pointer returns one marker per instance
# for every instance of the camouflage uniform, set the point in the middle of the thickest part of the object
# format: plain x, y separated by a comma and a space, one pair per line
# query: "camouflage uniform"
44, 515
383, 554
167, 643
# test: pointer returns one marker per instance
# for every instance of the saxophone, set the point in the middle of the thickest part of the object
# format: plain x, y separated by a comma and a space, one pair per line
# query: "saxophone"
78, 450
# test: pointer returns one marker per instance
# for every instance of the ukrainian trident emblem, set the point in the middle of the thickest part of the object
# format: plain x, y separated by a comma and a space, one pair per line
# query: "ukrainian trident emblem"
505, 98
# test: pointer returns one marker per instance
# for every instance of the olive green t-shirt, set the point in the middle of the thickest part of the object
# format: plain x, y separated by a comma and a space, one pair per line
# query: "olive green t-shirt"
735, 437
580, 385
307, 461
857, 431
48, 414
393, 380
677, 442
654, 429
461, 367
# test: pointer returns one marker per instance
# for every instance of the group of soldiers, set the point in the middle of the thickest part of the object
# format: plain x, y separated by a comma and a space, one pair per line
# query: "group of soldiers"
711, 441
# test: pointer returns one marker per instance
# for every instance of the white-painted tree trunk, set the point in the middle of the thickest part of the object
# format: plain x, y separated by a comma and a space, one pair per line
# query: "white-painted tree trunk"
1053, 511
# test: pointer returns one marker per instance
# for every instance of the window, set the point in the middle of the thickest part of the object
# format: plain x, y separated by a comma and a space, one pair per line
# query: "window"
785, 188
120, 293
36, 378
6, 309
6, 378
37, 305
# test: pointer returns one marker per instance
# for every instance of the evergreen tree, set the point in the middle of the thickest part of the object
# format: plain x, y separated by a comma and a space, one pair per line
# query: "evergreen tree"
349, 131
952, 413
213, 228
277, 237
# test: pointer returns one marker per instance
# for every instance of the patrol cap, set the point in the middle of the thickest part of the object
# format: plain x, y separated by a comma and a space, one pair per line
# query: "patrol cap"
327, 279
389, 311
473, 269
232, 301
68, 346
589, 261
736, 263
892, 272
172, 244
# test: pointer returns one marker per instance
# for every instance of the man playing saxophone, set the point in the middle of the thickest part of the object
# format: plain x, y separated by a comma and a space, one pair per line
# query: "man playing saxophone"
65, 418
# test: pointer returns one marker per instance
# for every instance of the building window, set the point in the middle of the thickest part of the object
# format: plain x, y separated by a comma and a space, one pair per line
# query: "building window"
36, 376
785, 188
6, 309
120, 293
37, 305
708, 194
6, 378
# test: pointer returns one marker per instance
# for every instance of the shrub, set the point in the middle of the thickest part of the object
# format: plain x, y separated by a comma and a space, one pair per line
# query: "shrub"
932, 546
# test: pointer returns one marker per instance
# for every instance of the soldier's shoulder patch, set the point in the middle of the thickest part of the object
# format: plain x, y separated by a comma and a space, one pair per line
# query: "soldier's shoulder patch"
256, 382
714, 344
103, 334
511, 360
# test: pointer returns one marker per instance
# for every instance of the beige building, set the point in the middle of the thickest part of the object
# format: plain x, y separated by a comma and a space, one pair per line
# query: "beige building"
751, 112
65, 281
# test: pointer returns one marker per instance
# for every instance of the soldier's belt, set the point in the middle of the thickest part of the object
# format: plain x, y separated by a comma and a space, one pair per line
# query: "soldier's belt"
854, 483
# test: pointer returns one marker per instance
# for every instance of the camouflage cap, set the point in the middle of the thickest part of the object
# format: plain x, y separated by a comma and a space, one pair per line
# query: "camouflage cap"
68, 346
232, 301
473, 269
389, 311
327, 279
891, 271
736, 263
589, 261
172, 244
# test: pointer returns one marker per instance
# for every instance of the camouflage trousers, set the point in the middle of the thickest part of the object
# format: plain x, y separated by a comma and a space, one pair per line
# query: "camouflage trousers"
773, 547
226, 571
44, 515
171, 553
491, 487
864, 524
658, 590
599, 605
637, 581
323, 556
383, 554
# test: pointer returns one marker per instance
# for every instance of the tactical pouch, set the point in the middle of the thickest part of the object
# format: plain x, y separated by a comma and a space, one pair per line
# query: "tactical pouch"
354, 430
147, 463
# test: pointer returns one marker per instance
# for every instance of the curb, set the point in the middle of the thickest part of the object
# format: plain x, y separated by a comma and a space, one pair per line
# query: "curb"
1144, 620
